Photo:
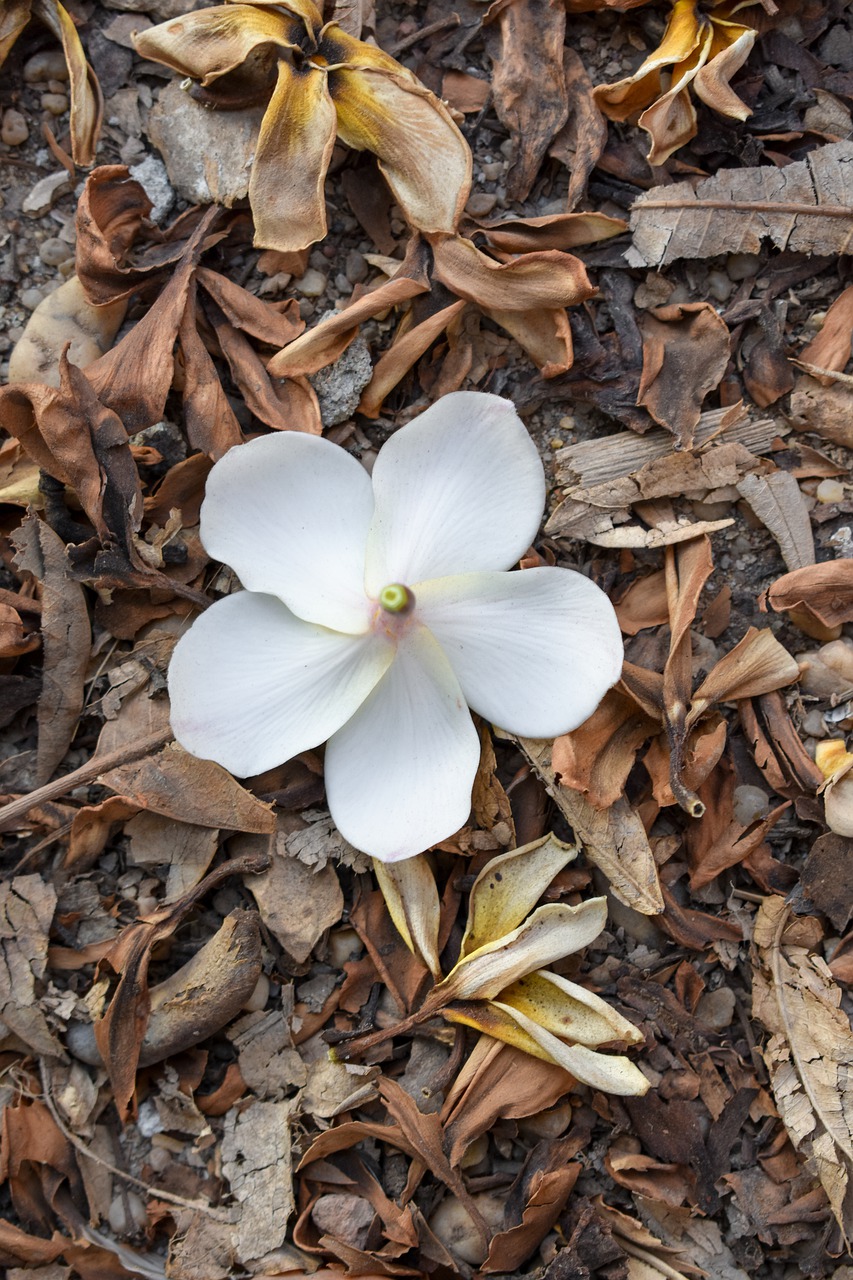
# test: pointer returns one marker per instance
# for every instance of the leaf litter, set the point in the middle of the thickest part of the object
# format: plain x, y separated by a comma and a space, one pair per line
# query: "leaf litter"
231, 1044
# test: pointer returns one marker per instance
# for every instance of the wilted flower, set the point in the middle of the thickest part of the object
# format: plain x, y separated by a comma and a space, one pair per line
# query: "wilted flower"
319, 82
374, 611
701, 49
500, 983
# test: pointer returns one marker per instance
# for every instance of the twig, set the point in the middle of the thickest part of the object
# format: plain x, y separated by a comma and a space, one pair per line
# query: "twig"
11, 813
198, 1206
452, 20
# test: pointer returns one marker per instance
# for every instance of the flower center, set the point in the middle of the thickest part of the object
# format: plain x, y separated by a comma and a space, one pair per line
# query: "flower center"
396, 598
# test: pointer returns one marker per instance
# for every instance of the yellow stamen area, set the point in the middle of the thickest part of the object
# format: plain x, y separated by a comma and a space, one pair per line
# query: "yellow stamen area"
396, 598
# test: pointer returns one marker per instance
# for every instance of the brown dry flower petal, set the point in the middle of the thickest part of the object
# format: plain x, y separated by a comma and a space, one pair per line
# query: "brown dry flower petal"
87, 101
319, 83
699, 49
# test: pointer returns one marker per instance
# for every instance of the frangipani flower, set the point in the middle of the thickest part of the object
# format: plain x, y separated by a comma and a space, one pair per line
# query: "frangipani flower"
500, 983
320, 82
376, 609
700, 48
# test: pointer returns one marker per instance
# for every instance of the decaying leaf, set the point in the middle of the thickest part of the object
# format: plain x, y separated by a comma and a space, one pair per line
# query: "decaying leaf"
778, 502
819, 598
804, 207
685, 353
256, 1160
808, 1055
27, 905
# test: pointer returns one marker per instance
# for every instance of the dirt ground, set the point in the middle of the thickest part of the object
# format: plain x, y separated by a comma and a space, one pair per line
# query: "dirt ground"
692, 407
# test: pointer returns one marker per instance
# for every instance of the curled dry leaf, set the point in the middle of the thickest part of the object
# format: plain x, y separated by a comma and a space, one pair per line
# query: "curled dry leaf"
411, 895
701, 49
804, 207
777, 500
87, 101
340, 87
809, 1053
818, 598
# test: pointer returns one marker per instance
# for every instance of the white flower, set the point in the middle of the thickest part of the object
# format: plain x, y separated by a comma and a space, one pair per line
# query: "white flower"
376, 609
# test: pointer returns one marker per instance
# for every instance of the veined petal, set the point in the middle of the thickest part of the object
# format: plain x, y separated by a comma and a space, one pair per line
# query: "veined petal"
383, 108
608, 1072
671, 121
458, 490
209, 43
399, 774
534, 651
550, 933
411, 896
567, 1010
252, 685
684, 33
14, 16
289, 171
509, 886
289, 513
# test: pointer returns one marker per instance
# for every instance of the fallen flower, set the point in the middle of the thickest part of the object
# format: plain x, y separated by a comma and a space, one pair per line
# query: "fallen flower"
500, 983
320, 83
835, 762
700, 49
373, 612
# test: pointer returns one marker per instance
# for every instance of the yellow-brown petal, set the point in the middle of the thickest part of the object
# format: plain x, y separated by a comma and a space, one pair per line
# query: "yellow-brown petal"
549, 279
383, 108
14, 16
684, 33
87, 101
308, 13
289, 173
209, 43
671, 121
730, 48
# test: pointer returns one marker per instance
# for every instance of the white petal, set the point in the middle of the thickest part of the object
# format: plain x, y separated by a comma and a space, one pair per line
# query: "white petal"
460, 489
289, 513
252, 685
399, 774
534, 651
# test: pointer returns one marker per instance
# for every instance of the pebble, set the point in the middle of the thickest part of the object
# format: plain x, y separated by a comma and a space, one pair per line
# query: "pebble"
749, 803
30, 298
740, 266
258, 999
491, 172
720, 285
481, 204
48, 65
151, 175
342, 284
716, 1008
53, 251
14, 131
56, 104
814, 724
127, 1214
355, 267
45, 193
830, 491
312, 284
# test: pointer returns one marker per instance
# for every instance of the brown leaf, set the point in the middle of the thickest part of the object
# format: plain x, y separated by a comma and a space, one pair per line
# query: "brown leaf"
822, 591
597, 758
685, 353
180, 786
533, 108
406, 349
580, 143
27, 905
544, 279
804, 207
297, 903
66, 639
831, 348
778, 503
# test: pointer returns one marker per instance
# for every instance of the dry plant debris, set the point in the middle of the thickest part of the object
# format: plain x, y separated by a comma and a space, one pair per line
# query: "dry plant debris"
601, 1030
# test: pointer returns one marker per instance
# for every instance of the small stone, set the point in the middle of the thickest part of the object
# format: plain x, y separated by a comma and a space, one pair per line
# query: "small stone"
481, 204
48, 65
346, 1217
339, 385
14, 131
814, 724
127, 1214
654, 291
748, 804
45, 193
491, 172
56, 104
53, 251
740, 266
720, 285
30, 298
121, 29
830, 491
151, 174
355, 267
208, 154
306, 308
343, 285
312, 284
716, 1008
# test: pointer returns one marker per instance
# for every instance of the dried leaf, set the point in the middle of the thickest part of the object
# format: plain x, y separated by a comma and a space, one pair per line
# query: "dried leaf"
778, 503
823, 591
596, 759
411, 895
546, 279
685, 353
805, 207
27, 905
66, 639
297, 903
808, 1055
509, 886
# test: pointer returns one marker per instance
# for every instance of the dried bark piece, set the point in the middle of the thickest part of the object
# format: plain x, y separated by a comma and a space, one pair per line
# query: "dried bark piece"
806, 207
256, 1160
809, 1054
66, 640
